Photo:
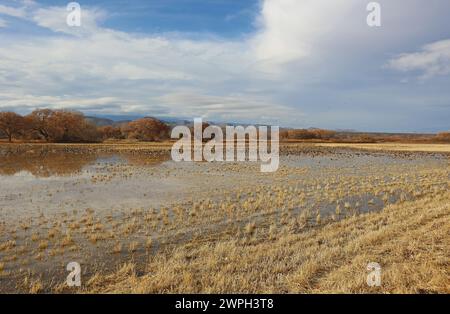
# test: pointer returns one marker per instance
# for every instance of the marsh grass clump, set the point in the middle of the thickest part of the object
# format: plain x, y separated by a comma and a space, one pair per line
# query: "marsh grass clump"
318, 219
403, 197
98, 226
43, 245
25, 226
74, 225
94, 238
34, 237
338, 210
39, 256
133, 246
36, 286
67, 240
52, 233
6, 246
117, 248
53, 252
149, 243
21, 249
272, 232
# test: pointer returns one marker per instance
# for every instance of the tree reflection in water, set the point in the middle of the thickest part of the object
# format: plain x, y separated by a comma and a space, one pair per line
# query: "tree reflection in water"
47, 163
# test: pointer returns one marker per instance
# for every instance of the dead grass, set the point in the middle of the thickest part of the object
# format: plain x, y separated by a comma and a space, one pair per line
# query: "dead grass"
6, 246
409, 240
300, 231
36, 287
43, 245
442, 148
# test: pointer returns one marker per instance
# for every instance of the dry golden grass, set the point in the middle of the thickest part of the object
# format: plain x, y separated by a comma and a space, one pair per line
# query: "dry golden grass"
6, 246
36, 287
67, 240
117, 248
133, 246
409, 240
442, 148
149, 243
43, 245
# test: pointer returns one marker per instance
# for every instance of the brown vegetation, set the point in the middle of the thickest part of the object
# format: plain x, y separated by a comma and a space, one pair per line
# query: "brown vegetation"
11, 124
146, 129
309, 134
443, 137
321, 135
405, 147
49, 125
65, 126
111, 132
408, 240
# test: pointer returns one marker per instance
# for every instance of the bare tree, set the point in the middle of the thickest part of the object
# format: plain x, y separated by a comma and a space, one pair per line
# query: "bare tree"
146, 129
40, 121
110, 132
11, 124
62, 126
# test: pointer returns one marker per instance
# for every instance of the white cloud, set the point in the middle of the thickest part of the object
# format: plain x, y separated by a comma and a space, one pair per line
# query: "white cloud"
231, 107
134, 72
432, 60
301, 49
54, 102
54, 18
12, 11
291, 29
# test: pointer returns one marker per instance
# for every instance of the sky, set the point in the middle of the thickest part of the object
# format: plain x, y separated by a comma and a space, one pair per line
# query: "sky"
291, 63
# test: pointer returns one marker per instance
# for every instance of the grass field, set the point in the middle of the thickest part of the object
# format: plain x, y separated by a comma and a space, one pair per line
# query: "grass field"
394, 147
410, 241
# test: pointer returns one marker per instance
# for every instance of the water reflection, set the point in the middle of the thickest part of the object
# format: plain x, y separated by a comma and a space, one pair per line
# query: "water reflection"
47, 164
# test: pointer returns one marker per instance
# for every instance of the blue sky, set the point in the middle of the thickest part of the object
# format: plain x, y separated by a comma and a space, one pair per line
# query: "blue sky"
227, 18
297, 63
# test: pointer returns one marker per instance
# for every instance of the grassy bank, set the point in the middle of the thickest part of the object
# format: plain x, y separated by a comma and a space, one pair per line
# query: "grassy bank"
442, 148
409, 240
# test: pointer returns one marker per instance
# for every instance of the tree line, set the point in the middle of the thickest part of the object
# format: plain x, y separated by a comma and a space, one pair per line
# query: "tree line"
64, 126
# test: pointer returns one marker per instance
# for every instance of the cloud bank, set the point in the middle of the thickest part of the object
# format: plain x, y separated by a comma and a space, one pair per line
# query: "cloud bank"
308, 63
432, 60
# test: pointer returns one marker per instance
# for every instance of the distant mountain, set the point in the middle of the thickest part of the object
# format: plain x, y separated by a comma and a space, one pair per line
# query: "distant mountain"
121, 119
100, 121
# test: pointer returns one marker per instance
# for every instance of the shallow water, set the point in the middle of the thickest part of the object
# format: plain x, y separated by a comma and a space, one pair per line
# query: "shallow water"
32, 185
43, 192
